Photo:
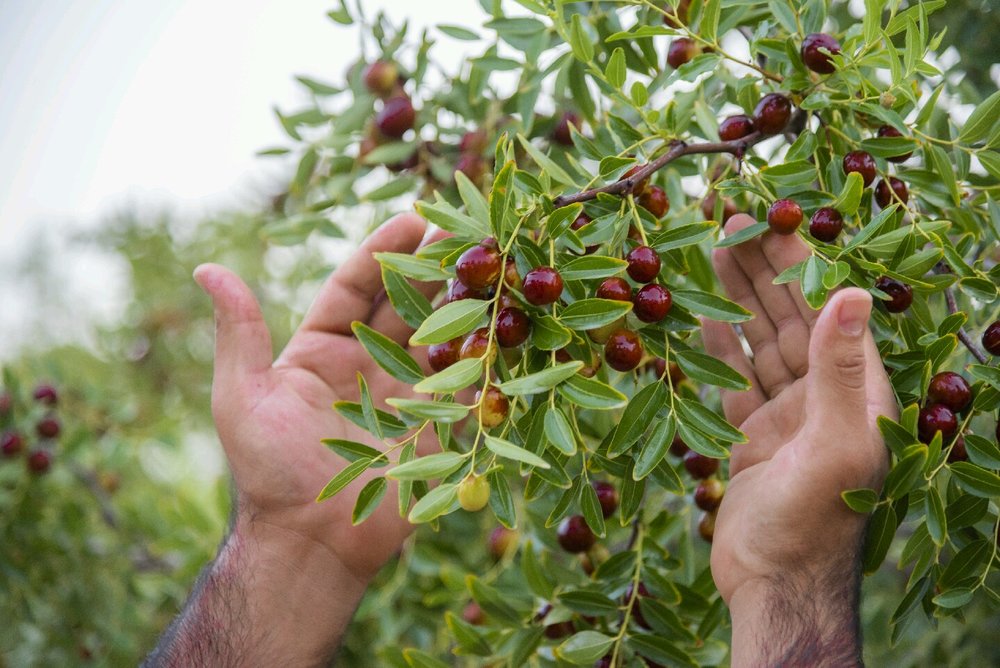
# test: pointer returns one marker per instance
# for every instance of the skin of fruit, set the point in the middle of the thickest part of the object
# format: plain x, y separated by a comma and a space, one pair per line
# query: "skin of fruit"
861, 162
479, 267
991, 338
636, 608
602, 334
561, 133
474, 493
934, 418
623, 350
815, 59
607, 495
772, 114
700, 466
708, 494
643, 264
639, 186
381, 77
48, 427
582, 220
39, 461
574, 535
614, 288
681, 51
708, 207
556, 630
513, 327
676, 376
735, 127
474, 141
784, 216
652, 303
889, 131
654, 199
494, 408
476, 345
884, 197
442, 355
706, 527
950, 389
473, 614
958, 452
472, 165
11, 444
510, 276
46, 394
678, 448
395, 117
459, 290
900, 294
502, 542
826, 224
542, 286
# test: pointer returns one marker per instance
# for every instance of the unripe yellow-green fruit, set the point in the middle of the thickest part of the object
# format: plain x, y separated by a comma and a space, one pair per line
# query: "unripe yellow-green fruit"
474, 493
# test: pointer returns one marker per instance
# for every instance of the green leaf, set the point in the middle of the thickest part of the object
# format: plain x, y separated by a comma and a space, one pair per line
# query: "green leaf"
584, 648
954, 598
368, 499
548, 334
540, 381
711, 305
388, 354
904, 473
508, 450
982, 451
850, 195
439, 411
812, 282
593, 313
588, 602
475, 203
881, 529
545, 162
710, 20
492, 601
988, 374
860, 500
937, 521
590, 267
428, 467
394, 188
591, 393
682, 236
390, 425
467, 636
707, 421
654, 449
745, 234
981, 120
976, 480
412, 307
591, 508
440, 500
451, 320
458, 376
836, 273
660, 649
448, 218
344, 478
615, 71
637, 416
579, 41
501, 501
458, 32
945, 171
412, 266
351, 450
707, 369
559, 432
869, 230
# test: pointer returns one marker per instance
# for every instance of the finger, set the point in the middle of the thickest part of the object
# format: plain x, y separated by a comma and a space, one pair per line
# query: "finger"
721, 341
792, 329
773, 373
352, 289
784, 251
242, 342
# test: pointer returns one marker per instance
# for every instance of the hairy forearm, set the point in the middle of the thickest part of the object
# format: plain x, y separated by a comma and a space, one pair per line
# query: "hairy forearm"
799, 622
268, 599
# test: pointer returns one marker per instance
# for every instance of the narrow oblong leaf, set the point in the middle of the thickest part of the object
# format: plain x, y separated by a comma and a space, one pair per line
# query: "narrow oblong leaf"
637, 416
388, 354
593, 313
368, 499
458, 376
540, 381
508, 450
591, 393
439, 501
427, 467
451, 320
344, 478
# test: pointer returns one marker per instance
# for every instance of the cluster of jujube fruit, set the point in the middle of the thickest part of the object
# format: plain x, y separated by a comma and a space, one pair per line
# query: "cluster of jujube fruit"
30, 429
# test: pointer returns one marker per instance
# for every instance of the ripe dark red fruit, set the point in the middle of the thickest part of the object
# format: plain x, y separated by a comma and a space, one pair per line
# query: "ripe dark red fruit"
708, 494
772, 114
607, 496
623, 350
900, 294
395, 117
950, 389
561, 133
826, 224
700, 466
513, 327
474, 141
477, 344
46, 394
556, 630
442, 355
652, 303
884, 197
11, 444
479, 267
472, 165
654, 199
502, 542
784, 216
708, 207
473, 614
991, 339
459, 290
542, 285
815, 59
495, 407
381, 77
639, 186
636, 608
581, 220
510, 275
48, 427
735, 127
614, 288
643, 264
958, 452
678, 448
39, 461
681, 51
861, 162
574, 535
936, 418
706, 527
889, 131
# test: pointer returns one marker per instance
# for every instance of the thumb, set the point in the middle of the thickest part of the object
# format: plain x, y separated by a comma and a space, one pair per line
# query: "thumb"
837, 361
242, 342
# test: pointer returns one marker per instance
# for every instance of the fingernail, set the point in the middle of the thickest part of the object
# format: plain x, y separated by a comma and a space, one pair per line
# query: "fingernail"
853, 314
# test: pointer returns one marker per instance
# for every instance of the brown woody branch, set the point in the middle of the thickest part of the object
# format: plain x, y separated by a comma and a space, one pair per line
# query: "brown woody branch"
963, 335
678, 149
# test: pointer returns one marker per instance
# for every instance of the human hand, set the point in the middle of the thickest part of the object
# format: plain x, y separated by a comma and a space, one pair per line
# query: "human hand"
785, 542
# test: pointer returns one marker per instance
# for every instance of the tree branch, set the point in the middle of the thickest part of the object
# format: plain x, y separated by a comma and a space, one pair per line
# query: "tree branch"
678, 149
963, 335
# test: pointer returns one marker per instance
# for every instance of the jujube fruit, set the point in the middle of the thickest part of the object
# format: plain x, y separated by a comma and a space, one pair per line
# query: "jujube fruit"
574, 535
39, 461
561, 132
614, 288
607, 496
494, 407
861, 162
706, 527
654, 199
950, 389
784, 216
700, 466
682, 50
652, 303
381, 77
639, 186
772, 114
708, 494
513, 327
900, 294
395, 117
991, 338
623, 350
815, 59
11, 443
476, 345
542, 286
884, 196
48, 427
735, 127
46, 394
474, 493
889, 131
479, 267
502, 542
643, 264
936, 418
442, 355
826, 224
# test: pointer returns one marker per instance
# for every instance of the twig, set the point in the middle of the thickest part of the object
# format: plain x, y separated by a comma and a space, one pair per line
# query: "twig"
963, 335
737, 147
